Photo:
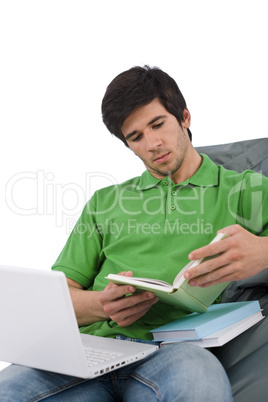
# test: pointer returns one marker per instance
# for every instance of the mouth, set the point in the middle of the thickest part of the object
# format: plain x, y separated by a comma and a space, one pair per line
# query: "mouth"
161, 158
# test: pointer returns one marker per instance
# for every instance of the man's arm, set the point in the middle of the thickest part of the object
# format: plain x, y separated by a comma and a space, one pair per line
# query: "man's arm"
86, 306
241, 256
111, 303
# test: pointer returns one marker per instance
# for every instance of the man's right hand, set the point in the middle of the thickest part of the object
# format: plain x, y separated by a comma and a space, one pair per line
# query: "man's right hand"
122, 309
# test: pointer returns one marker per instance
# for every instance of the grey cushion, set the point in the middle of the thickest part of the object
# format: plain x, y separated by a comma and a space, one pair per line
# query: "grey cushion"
245, 358
239, 156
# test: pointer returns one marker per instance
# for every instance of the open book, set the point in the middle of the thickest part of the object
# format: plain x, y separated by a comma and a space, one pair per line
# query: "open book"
180, 293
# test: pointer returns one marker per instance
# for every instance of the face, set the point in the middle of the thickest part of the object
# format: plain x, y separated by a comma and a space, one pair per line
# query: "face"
157, 138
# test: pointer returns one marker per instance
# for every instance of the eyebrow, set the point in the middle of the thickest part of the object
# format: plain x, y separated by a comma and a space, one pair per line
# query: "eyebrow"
128, 136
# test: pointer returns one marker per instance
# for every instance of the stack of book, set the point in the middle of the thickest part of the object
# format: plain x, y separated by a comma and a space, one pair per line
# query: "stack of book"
217, 326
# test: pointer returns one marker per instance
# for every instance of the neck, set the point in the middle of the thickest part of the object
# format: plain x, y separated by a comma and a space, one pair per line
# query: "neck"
189, 166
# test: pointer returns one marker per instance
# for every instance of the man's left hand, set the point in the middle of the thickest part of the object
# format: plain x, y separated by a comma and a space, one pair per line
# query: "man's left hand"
240, 256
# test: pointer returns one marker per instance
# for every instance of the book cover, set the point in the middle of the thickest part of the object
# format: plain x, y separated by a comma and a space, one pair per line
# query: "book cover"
221, 337
180, 293
196, 326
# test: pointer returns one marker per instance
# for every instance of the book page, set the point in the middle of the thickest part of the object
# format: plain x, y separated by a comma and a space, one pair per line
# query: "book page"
138, 281
180, 278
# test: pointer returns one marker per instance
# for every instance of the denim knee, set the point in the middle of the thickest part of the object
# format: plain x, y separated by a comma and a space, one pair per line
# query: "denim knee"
184, 372
20, 384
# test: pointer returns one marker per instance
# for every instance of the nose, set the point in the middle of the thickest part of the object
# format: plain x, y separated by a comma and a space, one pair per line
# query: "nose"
152, 140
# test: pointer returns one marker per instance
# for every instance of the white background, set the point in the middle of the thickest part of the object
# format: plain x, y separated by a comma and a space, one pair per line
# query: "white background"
57, 58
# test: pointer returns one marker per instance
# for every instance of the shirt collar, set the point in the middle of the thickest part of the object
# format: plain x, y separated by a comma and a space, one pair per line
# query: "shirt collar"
206, 176
147, 181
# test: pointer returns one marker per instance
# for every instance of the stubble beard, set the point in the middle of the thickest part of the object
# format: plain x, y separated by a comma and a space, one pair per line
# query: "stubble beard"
182, 145
164, 172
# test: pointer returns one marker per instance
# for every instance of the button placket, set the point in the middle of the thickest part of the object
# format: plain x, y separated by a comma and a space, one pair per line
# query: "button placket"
173, 206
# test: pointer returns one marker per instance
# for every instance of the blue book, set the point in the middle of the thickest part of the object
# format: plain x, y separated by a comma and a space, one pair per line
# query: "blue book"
199, 325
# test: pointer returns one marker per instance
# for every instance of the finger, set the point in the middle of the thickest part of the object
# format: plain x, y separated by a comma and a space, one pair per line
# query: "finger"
221, 279
128, 316
123, 273
226, 272
126, 273
209, 250
129, 302
216, 276
130, 319
113, 291
231, 230
207, 266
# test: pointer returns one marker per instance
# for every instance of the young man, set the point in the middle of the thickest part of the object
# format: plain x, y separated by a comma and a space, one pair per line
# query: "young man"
149, 226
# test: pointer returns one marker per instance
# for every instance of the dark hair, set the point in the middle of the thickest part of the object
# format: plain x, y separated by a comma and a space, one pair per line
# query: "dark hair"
138, 87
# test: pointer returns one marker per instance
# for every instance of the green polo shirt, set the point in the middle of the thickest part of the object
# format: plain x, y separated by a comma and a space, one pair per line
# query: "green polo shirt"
149, 226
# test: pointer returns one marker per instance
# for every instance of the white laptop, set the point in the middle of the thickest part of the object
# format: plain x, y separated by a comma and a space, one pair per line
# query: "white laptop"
38, 328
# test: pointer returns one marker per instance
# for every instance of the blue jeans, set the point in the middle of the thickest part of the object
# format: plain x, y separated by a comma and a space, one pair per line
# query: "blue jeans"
176, 372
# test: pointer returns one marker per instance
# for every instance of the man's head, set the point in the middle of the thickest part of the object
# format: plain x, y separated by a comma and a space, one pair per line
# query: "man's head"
138, 87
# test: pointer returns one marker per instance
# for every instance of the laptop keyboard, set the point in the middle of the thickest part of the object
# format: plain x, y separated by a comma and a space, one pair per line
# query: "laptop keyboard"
96, 356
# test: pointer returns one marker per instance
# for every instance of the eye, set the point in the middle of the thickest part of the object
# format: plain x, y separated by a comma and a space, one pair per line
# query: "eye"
158, 125
137, 138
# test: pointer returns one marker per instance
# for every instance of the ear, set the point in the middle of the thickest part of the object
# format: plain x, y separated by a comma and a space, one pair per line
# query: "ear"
186, 118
